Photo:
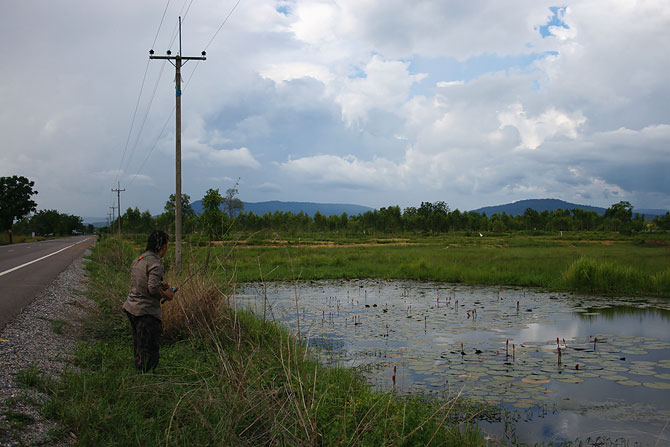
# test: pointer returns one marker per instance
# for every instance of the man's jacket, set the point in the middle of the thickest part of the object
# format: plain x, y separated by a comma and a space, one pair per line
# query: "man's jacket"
146, 277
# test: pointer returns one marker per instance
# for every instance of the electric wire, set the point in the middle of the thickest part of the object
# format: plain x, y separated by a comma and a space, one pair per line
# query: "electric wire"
161, 24
174, 36
146, 114
139, 171
183, 16
160, 135
139, 97
224, 22
132, 123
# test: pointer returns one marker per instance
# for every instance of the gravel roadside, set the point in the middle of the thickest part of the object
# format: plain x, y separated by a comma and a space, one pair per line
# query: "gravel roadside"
42, 336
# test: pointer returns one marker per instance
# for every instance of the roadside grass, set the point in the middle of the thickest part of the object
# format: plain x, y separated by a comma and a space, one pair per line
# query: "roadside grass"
228, 378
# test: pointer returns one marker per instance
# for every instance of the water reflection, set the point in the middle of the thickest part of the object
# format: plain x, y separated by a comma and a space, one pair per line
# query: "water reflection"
614, 312
565, 357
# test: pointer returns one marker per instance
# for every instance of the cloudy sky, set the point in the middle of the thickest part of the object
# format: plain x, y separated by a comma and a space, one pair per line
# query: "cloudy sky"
372, 102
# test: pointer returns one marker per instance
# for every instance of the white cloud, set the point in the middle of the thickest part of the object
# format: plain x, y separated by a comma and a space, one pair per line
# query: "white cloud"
406, 101
236, 158
296, 70
386, 86
269, 187
346, 172
549, 124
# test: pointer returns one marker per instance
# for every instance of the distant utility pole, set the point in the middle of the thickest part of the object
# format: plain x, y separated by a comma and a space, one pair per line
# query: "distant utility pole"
113, 218
179, 61
118, 192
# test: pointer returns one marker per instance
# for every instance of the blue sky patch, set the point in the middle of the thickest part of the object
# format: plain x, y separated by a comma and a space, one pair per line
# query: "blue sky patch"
283, 9
451, 69
357, 72
555, 20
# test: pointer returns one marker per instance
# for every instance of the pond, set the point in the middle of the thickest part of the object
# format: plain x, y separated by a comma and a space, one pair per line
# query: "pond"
560, 366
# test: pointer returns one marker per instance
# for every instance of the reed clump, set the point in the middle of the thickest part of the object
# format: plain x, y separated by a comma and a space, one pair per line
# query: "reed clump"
595, 276
196, 306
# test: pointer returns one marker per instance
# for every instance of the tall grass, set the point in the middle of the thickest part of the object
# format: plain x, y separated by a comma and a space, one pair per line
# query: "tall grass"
227, 377
594, 276
536, 261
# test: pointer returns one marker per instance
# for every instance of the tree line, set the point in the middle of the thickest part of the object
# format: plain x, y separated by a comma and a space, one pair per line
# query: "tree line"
219, 217
224, 212
18, 216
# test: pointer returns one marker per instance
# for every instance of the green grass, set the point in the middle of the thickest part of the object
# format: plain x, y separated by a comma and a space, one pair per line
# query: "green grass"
235, 380
518, 260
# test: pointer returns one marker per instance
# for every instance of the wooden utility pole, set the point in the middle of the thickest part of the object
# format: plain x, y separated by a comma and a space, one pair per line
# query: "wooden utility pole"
179, 61
118, 192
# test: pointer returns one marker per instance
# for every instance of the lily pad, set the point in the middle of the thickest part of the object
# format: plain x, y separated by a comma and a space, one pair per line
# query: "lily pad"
535, 381
614, 378
657, 385
629, 382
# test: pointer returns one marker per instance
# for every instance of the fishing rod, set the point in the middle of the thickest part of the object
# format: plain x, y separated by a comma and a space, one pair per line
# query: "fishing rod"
175, 289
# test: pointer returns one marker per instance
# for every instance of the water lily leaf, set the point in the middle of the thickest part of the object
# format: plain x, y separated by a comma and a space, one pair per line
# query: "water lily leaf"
657, 385
570, 380
535, 381
629, 382
523, 404
643, 363
614, 378
639, 372
663, 376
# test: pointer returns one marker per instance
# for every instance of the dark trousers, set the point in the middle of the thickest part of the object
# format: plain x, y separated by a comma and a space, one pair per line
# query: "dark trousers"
146, 340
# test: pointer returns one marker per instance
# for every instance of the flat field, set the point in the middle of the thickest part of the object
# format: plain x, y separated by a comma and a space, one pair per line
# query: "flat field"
602, 263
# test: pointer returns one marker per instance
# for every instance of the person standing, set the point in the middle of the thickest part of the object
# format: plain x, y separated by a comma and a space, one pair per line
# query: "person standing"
143, 305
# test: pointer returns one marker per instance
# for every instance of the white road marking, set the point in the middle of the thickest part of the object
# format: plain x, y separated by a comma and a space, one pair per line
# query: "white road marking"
43, 257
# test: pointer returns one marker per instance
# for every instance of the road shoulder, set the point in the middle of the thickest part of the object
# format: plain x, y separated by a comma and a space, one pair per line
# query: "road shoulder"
40, 339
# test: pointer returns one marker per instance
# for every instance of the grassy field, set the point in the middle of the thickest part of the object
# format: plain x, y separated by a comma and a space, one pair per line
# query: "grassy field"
601, 263
226, 378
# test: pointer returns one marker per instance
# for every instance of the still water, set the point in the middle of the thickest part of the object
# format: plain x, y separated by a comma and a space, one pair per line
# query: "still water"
562, 367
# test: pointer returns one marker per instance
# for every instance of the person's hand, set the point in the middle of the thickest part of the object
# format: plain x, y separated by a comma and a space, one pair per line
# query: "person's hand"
167, 293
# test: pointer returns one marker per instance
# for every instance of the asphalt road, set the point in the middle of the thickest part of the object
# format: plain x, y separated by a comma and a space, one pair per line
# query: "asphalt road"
26, 269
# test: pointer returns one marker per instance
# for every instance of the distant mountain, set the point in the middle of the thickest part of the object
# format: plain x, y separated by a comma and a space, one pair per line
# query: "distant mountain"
327, 209
516, 208
97, 222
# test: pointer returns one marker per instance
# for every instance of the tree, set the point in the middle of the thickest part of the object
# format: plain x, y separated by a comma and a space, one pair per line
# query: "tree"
618, 217
233, 204
15, 201
211, 216
663, 222
45, 222
186, 208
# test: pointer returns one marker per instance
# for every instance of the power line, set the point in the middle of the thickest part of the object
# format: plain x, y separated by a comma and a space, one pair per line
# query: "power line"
224, 22
144, 120
161, 24
139, 171
139, 97
183, 15
132, 124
